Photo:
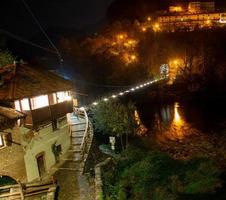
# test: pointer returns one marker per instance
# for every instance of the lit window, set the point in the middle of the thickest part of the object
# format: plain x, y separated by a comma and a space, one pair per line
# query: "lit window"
63, 96
60, 97
17, 105
39, 102
54, 98
25, 104
1, 141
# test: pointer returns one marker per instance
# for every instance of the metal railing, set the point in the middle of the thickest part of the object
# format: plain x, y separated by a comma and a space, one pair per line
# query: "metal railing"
82, 113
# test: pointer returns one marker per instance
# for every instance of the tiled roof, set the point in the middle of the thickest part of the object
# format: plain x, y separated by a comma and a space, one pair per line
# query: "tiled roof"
8, 116
30, 81
10, 113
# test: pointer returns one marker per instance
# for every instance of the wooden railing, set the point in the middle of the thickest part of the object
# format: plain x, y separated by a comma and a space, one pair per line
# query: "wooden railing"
43, 116
20, 191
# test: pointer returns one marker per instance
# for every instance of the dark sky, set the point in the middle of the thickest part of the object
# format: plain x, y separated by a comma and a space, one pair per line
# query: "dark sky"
71, 14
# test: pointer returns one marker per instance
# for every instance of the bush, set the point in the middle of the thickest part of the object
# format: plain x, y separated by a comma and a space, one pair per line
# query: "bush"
6, 58
154, 175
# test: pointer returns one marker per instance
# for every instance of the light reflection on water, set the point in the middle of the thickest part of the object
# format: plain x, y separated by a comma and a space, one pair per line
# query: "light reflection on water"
186, 130
171, 125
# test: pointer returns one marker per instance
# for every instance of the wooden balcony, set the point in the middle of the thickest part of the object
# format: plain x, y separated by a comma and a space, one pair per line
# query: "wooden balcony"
43, 116
61, 109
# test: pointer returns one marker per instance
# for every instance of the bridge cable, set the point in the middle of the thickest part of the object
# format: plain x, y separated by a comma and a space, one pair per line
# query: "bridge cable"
5, 32
42, 30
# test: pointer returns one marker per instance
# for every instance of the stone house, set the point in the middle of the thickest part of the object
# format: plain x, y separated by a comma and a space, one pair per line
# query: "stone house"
34, 130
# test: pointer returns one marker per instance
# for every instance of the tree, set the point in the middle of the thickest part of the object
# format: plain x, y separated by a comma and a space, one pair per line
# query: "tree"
6, 58
114, 118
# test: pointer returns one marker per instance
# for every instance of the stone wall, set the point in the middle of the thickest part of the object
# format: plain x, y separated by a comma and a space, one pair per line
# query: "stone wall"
12, 157
98, 179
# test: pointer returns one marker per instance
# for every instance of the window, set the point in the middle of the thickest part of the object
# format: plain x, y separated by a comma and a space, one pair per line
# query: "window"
25, 104
6, 139
17, 105
60, 97
63, 96
39, 102
54, 98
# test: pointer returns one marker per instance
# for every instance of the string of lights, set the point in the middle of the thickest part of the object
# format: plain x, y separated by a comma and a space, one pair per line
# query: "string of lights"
101, 85
124, 92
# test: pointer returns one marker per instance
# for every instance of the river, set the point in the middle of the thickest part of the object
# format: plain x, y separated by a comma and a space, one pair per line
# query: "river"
186, 129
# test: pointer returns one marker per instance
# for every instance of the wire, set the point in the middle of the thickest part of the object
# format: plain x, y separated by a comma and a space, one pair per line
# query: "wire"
104, 86
26, 41
42, 30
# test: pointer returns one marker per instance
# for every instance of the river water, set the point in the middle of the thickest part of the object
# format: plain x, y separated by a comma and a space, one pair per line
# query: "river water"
186, 129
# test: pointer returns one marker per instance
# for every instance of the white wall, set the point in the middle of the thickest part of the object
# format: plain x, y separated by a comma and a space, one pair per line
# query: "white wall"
42, 142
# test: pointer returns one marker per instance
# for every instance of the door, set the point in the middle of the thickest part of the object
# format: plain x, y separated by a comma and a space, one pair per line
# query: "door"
41, 164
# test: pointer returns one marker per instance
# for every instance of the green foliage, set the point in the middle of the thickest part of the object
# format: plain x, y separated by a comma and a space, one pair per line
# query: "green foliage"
114, 118
202, 177
154, 175
6, 58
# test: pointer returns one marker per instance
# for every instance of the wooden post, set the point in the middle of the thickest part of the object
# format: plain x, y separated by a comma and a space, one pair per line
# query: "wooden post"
21, 190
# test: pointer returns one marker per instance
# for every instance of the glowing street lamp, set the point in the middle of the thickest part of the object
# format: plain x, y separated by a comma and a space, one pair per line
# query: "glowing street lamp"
175, 62
144, 29
149, 18
95, 103
156, 27
113, 96
208, 22
105, 99
133, 57
121, 36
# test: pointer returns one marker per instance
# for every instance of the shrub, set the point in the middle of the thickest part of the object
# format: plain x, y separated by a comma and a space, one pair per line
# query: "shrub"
154, 175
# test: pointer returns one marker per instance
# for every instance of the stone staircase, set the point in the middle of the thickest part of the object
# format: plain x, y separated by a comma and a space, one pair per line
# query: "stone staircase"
72, 182
80, 129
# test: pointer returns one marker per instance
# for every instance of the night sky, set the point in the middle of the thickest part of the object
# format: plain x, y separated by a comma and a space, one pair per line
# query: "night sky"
66, 14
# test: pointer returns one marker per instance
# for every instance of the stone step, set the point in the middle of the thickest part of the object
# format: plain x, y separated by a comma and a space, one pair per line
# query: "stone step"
75, 148
77, 134
74, 151
78, 123
69, 164
69, 169
75, 118
72, 160
73, 155
79, 130
76, 141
